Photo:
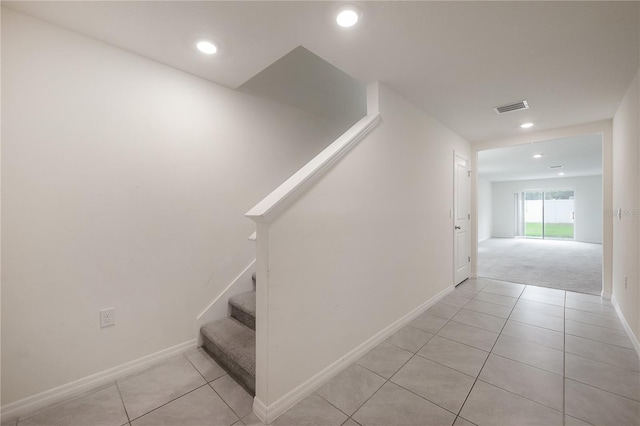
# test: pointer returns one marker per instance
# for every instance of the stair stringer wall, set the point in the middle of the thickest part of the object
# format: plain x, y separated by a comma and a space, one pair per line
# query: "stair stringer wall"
355, 254
219, 307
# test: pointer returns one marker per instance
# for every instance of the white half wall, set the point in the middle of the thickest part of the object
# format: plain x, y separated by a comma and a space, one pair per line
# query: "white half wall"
370, 241
124, 184
626, 200
485, 209
588, 205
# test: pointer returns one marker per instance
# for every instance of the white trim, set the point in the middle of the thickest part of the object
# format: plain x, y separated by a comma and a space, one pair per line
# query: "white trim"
253, 236
268, 414
627, 328
260, 410
88, 383
218, 308
269, 208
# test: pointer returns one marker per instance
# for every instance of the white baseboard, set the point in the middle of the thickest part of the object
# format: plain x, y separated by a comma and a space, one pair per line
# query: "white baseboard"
218, 309
268, 413
88, 383
627, 328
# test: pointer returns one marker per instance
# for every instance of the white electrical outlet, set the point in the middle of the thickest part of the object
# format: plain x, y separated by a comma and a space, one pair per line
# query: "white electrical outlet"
107, 317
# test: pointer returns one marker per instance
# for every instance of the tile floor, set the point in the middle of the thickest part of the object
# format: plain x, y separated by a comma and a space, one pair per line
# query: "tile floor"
489, 353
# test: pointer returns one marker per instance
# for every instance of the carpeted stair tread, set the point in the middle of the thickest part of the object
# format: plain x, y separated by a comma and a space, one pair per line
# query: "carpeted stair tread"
233, 345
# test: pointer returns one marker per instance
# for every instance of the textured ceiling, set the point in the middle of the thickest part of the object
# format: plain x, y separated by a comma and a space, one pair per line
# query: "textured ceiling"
572, 61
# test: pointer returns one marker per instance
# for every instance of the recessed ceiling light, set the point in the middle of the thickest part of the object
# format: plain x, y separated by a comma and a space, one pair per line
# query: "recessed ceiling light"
526, 125
206, 47
347, 17
561, 174
537, 155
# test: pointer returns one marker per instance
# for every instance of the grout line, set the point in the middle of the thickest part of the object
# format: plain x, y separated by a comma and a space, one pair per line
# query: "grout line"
485, 362
126, 412
225, 402
168, 402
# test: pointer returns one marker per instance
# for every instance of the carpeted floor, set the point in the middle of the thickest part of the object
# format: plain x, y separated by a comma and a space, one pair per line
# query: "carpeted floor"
567, 265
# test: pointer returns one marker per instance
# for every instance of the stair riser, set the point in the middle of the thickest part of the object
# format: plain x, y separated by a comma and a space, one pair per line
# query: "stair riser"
240, 375
244, 317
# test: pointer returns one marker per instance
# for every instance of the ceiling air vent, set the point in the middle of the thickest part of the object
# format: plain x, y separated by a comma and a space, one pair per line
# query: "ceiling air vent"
512, 107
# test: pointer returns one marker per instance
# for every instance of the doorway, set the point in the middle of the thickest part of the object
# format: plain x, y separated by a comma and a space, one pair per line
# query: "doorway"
545, 214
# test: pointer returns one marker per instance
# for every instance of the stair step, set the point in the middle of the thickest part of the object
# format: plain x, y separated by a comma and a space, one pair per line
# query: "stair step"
233, 346
243, 308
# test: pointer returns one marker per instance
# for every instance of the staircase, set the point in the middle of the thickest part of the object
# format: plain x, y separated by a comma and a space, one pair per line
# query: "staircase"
232, 341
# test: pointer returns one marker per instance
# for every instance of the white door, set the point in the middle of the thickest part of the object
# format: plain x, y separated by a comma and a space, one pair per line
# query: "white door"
461, 218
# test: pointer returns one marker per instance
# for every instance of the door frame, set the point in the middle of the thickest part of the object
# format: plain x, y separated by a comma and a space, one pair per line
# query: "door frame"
457, 156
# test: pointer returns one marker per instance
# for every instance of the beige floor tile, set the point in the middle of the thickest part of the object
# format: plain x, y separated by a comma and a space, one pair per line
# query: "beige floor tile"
206, 366
198, 408
462, 422
455, 300
543, 298
234, 395
441, 385
251, 420
504, 289
537, 319
539, 356
496, 299
480, 320
428, 323
603, 376
572, 421
532, 383
409, 338
472, 336
100, 408
581, 297
603, 352
351, 388
542, 308
443, 310
593, 319
531, 333
393, 405
599, 407
350, 422
385, 359
544, 291
601, 334
489, 308
458, 356
476, 284
491, 405
602, 308
465, 292
312, 411
146, 391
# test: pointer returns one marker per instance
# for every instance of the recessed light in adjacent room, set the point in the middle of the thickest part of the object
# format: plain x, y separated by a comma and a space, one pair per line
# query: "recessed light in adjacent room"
348, 17
561, 174
526, 125
206, 47
537, 155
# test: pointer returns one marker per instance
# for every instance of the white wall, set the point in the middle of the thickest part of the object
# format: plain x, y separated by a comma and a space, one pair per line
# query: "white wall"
125, 184
485, 209
626, 196
369, 242
588, 205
